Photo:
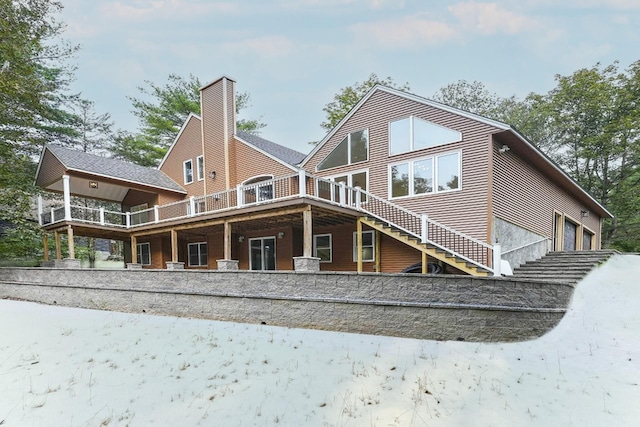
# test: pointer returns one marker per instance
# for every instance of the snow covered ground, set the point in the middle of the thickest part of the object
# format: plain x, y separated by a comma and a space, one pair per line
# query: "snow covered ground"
71, 367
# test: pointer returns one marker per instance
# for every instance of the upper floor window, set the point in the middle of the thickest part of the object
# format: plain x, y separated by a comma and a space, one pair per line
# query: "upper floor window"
424, 176
354, 148
188, 171
258, 189
353, 180
200, 167
412, 133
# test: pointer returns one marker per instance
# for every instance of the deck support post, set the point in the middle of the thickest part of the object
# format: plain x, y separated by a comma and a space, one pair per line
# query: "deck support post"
56, 234
174, 245
307, 226
359, 244
134, 250
227, 240
72, 252
425, 264
45, 242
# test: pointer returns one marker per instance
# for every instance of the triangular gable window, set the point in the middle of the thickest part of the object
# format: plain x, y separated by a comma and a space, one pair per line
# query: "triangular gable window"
412, 133
354, 148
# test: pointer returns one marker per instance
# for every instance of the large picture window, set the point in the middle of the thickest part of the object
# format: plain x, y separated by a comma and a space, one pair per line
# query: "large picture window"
144, 253
354, 148
368, 246
188, 171
197, 254
322, 247
412, 133
425, 176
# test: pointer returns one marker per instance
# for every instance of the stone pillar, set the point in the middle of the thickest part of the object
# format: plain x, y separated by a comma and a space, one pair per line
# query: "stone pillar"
303, 263
227, 265
175, 265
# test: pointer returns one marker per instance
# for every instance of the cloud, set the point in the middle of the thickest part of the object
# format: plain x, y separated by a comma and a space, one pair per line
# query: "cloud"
371, 4
489, 18
141, 10
404, 32
267, 46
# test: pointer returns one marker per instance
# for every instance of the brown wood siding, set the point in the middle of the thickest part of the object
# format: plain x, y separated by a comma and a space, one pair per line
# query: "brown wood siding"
213, 135
135, 198
187, 147
249, 162
525, 197
52, 172
464, 210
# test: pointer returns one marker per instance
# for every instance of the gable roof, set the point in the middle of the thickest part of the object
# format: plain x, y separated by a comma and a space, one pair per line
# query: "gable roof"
175, 140
107, 167
530, 148
283, 154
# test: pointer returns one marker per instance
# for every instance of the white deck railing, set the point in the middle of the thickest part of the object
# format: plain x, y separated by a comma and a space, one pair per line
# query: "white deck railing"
293, 186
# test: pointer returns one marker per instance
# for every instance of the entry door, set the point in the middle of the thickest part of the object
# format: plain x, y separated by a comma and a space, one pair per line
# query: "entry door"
262, 253
570, 235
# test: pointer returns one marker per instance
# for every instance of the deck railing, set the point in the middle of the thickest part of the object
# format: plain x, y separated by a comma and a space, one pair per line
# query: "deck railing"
293, 186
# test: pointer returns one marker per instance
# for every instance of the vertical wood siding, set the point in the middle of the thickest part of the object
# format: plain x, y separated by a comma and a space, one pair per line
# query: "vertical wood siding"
464, 210
213, 133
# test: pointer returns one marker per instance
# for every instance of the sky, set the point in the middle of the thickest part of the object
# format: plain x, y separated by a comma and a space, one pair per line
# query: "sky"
292, 57
73, 367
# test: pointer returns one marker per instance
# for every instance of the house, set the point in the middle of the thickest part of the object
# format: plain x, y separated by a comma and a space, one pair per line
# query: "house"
402, 183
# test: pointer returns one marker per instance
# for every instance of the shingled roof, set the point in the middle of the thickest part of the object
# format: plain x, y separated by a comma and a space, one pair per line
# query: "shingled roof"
278, 151
113, 168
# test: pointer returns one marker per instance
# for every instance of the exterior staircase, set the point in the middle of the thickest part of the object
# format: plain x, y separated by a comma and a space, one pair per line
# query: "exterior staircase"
564, 267
429, 249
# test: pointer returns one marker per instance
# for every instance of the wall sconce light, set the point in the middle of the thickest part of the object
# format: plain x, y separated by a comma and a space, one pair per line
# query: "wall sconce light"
212, 174
584, 214
503, 149
240, 239
93, 184
281, 235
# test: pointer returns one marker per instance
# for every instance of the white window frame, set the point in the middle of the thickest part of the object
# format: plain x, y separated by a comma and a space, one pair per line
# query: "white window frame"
139, 259
200, 167
198, 244
372, 246
349, 162
349, 183
411, 135
330, 247
184, 170
434, 160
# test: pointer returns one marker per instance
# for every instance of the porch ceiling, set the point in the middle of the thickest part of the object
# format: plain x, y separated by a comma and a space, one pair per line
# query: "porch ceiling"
92, 188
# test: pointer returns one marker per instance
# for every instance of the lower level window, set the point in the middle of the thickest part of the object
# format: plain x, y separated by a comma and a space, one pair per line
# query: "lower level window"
368, 246
322, 247
144, 253
197, 254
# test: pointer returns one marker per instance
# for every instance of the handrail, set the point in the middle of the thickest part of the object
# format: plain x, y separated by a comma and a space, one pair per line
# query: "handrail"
526, 245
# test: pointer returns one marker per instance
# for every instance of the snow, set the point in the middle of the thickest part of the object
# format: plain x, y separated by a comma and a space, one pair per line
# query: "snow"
73, 367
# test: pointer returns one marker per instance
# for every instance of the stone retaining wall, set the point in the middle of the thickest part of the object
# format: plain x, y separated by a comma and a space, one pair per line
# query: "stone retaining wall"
413, 306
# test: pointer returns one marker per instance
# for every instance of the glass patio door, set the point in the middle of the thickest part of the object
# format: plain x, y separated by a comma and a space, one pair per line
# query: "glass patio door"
262, 253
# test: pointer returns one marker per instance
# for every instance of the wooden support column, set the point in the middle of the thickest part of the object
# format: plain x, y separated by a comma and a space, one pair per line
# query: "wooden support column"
424, 263
45, 241
174, 245
378, 254
134, 250
58, 245
72, 252
227, 240
359, 245
307, 226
